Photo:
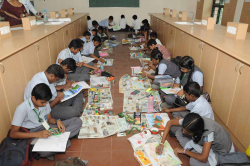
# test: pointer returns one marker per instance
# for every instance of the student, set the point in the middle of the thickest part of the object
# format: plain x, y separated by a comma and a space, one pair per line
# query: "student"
89, 49
136, 24
153, 35
162, 68
208, 139
89, 22
93, 33
145, 27
95, 25
101, 34
86, 37
106, 23
65, 110
189, 73
165, 53
123, 22
35, 111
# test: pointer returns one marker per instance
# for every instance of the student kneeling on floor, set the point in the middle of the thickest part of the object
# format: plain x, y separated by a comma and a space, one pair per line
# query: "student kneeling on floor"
35, 111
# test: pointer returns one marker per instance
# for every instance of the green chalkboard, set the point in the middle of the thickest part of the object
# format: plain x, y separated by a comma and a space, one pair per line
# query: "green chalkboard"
114, 3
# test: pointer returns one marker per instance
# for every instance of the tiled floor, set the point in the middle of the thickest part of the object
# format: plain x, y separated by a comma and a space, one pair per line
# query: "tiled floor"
111, 151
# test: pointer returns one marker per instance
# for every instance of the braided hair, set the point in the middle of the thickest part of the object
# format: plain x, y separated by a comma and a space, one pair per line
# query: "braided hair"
195, 124
187, 62
157, 55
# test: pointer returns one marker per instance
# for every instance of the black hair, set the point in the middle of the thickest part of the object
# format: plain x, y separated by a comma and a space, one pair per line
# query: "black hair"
187, 62
75, 44
111, 18
80, 41
151, 42
153, 34
145, 22
134, 17
94, 23
70, 62
192, 88
156, 54
195, 124
100, 28
86, 33
97, 38
122, 16
56, 70
95, 30
41, 92
88, 18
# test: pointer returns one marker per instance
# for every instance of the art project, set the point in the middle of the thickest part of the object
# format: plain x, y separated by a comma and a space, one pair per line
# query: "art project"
101, 97
108, 62
142, 158
96, 109
143, 63
55, 143
116, 28
99, 82
167, 158
103, 54
139, 139
134, 49
136, 83
77, 88
101, 126
122, 82
171, 91
143, 120
158, 120
87, 59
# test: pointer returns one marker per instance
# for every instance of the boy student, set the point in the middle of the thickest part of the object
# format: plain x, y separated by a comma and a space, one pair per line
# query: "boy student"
89, 49
65, 110
136, 24
34, 114
93, 33
89, 22
95, 25
123, 22
165, 53
86, 37
106, 23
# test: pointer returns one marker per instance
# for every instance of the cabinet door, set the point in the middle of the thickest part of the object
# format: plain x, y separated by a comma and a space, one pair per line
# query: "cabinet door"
245, 12
165, 35
155, 23
158, 30
177, 45
78, 28
225, 79
66, 36
44, 54
81, 26
5, 120
151, 23
53, 47
72, 31
195, 51
60, 41
13, 81
171, 39
239, 122
185, 44
30, 61
226, 12
84, 24
199, 9
208, 62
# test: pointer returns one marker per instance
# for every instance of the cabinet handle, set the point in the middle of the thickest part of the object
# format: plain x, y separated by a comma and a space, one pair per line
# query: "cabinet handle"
38, 46
3, 67
236, 66
240, 68
202, 44
56, 34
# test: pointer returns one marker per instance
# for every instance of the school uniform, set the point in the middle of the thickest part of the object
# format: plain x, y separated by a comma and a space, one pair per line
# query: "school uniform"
26, 116
65, 110
93, 28
136, 24
165, 53
92, 36
158, 42
81, 73
221, 142
88, 49
89, 22
122, 23
197, 76
85, 40
104, 23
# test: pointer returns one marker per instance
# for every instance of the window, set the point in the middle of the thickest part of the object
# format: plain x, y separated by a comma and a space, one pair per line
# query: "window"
217, 10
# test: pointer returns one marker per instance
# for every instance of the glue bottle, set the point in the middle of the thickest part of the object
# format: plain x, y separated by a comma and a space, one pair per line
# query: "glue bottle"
150, 103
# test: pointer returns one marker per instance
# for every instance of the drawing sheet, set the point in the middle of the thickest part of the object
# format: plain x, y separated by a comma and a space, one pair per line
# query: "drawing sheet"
108, 62
87, 59
52, 144
171, 91
158, 120
98, 80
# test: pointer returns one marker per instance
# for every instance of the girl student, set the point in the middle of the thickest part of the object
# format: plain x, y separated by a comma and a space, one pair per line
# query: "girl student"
189, 73
201, 138
162, 67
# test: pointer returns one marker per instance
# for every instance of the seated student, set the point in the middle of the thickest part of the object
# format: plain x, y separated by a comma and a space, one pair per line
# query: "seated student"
35, 111
86, 37
162, 67
189, 73
101, 34
153, 35
93, 33
106, 23
123, 23
89, 22
89, 49
65, 110
136, 24
201, 138
144, 27
95, 25
165, 53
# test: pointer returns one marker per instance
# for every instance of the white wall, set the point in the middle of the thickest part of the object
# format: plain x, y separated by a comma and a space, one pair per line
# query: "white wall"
146, 6
238, 10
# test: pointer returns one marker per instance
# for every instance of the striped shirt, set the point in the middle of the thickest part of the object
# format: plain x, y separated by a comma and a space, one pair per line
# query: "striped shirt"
165, 53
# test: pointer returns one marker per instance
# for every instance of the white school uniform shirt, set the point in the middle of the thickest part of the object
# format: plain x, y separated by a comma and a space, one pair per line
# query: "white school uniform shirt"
158, 41
89, 22
64, 54
37, 79
88, 49
85, 40
28, 6
26, 117
136, 24
196, 77
201, 107
104, 23
122, 23
92, 36
93, 28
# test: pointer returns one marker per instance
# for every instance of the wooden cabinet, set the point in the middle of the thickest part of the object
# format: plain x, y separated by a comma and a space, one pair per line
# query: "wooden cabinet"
30, 61
5, 119
165, 36
225, 79
60, 41
239, 122
43, 54
84, 24
66, 36
171, 39
53, 47
159, 29
228, 12
154, 24
78, 27
151, 22
13, 81
208, 62
245, 14
195, 51
203, 8
72, 31
182, 43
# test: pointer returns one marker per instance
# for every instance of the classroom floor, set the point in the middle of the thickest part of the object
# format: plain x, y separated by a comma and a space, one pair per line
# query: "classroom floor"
111, 151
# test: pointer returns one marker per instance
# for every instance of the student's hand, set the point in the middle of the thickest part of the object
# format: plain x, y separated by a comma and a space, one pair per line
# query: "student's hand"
79, 64
68, 85
145, 69
166, 110
60, 126
60, 95
178, 150
102, 60
180, 93
44, 134
157, 149
96, 68
175, 85
178, 118
144, 74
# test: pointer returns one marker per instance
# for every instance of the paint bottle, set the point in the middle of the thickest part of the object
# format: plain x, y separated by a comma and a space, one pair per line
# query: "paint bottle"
150, 103
248, 151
